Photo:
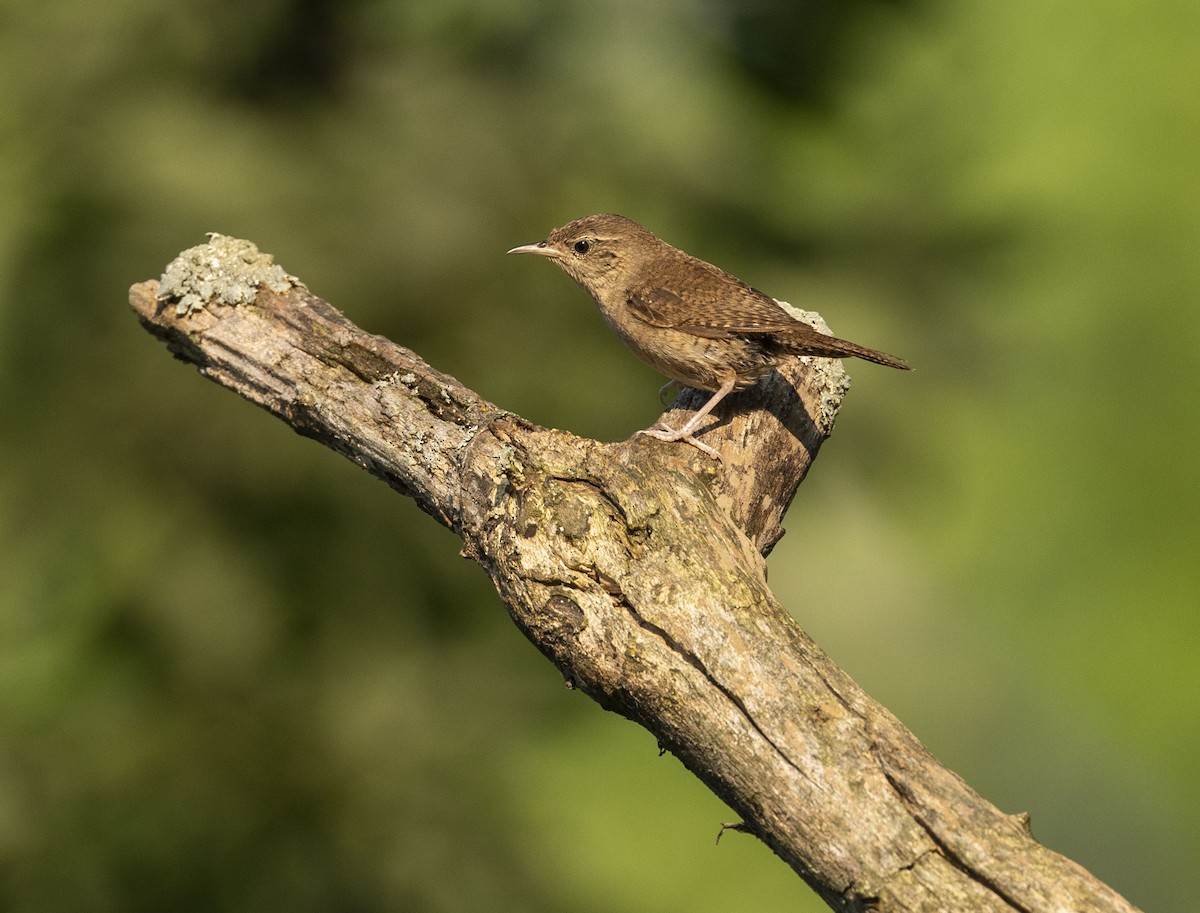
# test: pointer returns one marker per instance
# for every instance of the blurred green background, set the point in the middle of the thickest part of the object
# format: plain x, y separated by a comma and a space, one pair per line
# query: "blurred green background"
237, 674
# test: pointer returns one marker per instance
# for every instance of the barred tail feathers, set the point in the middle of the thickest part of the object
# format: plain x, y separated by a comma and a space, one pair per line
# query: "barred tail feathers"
814, 342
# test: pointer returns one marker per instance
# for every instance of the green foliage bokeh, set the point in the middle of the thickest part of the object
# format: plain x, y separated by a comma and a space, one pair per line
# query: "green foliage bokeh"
236, 673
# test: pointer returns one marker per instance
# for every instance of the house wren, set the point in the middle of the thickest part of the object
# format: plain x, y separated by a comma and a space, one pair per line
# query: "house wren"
690, 320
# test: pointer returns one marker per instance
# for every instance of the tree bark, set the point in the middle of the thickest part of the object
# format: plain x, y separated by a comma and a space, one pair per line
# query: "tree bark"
638, 569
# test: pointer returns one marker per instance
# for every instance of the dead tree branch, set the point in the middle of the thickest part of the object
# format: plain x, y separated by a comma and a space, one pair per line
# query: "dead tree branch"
637, 568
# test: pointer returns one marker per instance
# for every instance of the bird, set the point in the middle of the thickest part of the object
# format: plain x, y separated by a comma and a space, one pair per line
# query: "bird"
688, 319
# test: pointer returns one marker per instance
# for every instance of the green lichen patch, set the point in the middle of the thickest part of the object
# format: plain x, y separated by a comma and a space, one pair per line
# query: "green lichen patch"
228, 270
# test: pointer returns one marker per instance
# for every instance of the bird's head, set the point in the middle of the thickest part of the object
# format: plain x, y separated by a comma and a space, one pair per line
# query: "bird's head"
601, 252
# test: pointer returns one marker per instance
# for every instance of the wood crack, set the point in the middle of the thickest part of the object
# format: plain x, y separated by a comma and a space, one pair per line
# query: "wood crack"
947, 852
695, 662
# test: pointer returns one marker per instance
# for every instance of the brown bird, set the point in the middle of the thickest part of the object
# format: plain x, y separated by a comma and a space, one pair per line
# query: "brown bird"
690, 320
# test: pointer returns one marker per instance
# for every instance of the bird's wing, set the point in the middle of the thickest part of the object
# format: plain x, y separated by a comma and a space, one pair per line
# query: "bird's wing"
733, 308
739, 309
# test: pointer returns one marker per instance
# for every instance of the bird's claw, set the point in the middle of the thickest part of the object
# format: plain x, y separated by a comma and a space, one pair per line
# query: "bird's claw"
660, 431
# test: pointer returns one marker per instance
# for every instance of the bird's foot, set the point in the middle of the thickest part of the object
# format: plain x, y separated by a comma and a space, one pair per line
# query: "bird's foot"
663, 432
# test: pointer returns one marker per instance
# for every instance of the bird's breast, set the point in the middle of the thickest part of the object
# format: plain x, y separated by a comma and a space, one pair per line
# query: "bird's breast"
695, 361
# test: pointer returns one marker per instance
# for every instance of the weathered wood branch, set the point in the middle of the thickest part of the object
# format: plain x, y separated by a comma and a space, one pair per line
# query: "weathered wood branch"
637, 568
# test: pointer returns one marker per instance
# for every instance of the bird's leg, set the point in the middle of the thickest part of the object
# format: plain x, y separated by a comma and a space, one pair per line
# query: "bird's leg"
685, 432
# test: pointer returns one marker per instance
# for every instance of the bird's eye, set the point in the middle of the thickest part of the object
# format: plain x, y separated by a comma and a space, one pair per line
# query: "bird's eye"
582, 246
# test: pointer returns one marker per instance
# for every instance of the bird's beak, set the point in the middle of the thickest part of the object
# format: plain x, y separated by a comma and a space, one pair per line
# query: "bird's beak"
542, 249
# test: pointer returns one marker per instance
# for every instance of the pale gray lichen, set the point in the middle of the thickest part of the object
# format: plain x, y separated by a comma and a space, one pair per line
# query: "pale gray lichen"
388, 380
812, 318
228, 270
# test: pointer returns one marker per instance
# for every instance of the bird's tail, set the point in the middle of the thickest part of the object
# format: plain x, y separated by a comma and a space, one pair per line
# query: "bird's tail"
821, 345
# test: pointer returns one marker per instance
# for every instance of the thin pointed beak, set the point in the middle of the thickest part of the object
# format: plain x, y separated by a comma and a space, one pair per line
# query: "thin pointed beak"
542, 249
